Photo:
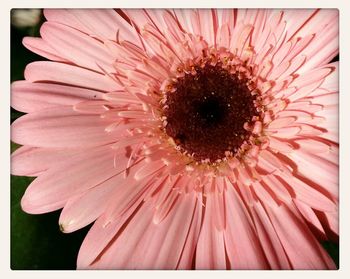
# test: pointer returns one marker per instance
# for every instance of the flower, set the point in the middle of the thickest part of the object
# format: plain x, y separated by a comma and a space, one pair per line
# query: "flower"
199, 139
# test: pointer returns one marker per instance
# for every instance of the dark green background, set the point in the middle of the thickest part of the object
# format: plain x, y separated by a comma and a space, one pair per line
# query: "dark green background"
36, 241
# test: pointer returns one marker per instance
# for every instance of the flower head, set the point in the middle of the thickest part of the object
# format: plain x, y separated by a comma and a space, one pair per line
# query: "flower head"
193, 138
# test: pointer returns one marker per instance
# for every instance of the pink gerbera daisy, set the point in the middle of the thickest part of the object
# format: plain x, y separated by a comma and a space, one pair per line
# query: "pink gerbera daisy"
194, 139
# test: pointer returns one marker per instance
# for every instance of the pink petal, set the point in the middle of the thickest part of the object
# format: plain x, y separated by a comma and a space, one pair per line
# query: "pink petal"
61, 127
65, 41
281, 54
92, 107
99, 236
305, 91
42, 48
313, 146
332, 81
149, 169
65, 16
52, 189
281, 122
31, 97
219, 208
228, 17
188, 252
300, 245
296, 19
102, 23
85, 208
324, 51
208, 24
223, 36
240, 38
280, 145
324, 98
309, 215
210, 252
288, 132
265, 195
48, 71
269, 240
310, 196
145, 245
333, 221
327, 172
277, 187
311, 77
164, 208
242, 245
260, 17
269, 158
32, 161
295, 64
324, 24
127, 195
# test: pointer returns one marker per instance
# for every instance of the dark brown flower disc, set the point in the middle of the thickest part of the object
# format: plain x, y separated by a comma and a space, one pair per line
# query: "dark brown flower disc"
206, 113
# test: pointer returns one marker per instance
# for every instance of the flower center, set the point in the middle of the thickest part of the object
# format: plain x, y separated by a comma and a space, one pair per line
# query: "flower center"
206, 111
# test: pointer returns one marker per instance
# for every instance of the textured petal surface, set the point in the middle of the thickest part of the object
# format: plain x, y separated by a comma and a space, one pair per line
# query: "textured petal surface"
61, 127
52, 190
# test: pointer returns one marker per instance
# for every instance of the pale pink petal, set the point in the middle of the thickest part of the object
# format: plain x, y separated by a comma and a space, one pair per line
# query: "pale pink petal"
148, 169
92, 107
151, 246
128, 194
332, 81
327, 172
242, 245
102, 23
310, 77
296, 237
61, 127
228, 17
46, 71
280, 145
269, 240
277, 187
264, 194
288, 132
296, 19
281, 122
85, 208
32, 161
333, 221
51, 190
31, 97
208, 24
324, 24
188, 252
64, 16
210, 253
99, 237
309, 215
65, 41
304, 91
223, 36
313, 146
39, 46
